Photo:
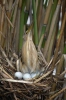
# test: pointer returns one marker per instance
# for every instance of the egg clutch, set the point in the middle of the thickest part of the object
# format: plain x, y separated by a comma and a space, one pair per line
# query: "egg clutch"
29, 67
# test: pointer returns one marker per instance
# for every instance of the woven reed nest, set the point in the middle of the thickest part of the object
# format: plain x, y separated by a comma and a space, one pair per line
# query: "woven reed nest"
14, 89
45, 86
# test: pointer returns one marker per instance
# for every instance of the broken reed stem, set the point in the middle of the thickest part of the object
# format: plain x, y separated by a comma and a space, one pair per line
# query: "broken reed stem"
59, 41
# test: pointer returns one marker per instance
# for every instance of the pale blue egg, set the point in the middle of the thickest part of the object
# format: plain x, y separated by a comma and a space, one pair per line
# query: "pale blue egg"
35, 74
26, 76
19, 75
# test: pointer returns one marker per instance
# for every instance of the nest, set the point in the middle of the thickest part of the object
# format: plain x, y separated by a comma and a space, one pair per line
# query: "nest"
46, 86
13, 89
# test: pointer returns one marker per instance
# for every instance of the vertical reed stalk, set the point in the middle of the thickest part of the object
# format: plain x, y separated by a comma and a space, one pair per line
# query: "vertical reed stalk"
64, 51
51, 45
53, 24
40, 17
42, 37
35, 22
13, 22
3, 41
27, 11
59, 41
48, 9
2, 21
16, 44
20, 3
37, 3
39, 14
58, 71
65, 81
21, 25
10, 5
63, 11
53, 8
8, 16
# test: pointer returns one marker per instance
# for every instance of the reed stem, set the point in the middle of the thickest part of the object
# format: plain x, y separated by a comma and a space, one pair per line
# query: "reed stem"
22, 15
35, 22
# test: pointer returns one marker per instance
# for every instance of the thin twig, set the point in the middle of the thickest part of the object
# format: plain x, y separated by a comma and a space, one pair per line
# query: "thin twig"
52, 97
16, 81
1, 69
6, 57
2, 34
64, 72
43, 76
7, 18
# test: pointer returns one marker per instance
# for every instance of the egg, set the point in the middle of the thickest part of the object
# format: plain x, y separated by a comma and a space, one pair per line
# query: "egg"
35, 74
27, 76
18, 75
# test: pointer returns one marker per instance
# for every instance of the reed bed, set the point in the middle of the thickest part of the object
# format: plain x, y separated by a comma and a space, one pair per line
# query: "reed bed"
46, 19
